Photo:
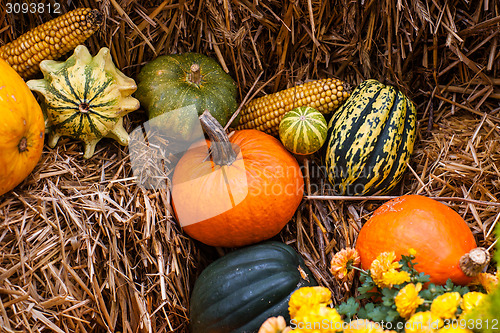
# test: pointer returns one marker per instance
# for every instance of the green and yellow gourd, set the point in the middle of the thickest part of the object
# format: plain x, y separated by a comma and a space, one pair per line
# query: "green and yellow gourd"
303, 130
85, 98
370, 140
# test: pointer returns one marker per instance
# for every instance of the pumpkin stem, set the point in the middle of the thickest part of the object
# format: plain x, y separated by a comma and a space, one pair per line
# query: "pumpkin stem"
195, 75
473, 263
220, 147
23, 145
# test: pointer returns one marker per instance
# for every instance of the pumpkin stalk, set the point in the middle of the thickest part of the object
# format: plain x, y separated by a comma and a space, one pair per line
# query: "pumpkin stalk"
474, 262
220, 147
195, 75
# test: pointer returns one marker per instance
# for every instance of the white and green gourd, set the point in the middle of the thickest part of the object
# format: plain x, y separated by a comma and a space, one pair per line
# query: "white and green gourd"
303, 130
85, 98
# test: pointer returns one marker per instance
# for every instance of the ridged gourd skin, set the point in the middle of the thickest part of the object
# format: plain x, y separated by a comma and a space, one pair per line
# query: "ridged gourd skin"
303, 130
370, 140
167, 84
85, 98
239, 291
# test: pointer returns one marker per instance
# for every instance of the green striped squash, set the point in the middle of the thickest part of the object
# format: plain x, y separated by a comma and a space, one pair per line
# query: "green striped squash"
370, 140
303, 130
239, 291
85, 98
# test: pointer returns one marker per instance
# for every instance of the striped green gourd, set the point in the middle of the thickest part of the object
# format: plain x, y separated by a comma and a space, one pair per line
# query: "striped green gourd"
303, 130
370, 140
85, 98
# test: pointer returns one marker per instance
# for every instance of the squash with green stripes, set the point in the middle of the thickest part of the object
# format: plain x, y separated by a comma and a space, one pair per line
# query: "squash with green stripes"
303, 130
370, 140
85, 98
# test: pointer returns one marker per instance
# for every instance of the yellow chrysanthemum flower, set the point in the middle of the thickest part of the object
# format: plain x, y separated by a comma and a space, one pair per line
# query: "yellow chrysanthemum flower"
445, 306
412, 252
318, 318
471, 300
384, 263
423, 322
307, 297
341, 261
363, 326
487, 280
407, 300
394, 277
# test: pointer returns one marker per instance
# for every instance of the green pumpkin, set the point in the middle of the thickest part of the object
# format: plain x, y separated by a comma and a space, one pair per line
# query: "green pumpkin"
370, 140
239, 291
85, 98
172, 82
303, 130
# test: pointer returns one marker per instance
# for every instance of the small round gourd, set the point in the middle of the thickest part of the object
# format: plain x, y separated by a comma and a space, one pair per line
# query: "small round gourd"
303, 130
85, 98
22, 129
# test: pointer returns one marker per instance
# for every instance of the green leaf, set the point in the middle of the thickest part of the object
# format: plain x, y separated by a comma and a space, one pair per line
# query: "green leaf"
363, 313
432, 292
422, 278
367, 285
366, 289
449, 285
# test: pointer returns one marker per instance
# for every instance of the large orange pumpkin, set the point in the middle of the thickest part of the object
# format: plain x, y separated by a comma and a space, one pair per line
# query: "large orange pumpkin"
22, 129
444, 243
244, 193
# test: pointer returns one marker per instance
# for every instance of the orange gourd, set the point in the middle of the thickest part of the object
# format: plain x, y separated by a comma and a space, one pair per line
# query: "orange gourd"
244, 193
22, 129
445, 245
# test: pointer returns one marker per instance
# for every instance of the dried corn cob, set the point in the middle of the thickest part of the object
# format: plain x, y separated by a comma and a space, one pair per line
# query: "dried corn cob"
50, 40
265, 113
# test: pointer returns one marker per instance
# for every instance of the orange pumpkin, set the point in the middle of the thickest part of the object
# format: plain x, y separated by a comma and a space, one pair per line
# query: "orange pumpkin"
245, 193
443, 241
22, 129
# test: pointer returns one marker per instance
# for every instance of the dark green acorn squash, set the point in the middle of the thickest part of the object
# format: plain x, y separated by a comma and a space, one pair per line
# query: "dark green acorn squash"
85, 98
240, 290
370, 140
175, 81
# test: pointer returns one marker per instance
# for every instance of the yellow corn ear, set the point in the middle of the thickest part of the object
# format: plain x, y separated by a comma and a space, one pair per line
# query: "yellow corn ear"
50, 40
265, 113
